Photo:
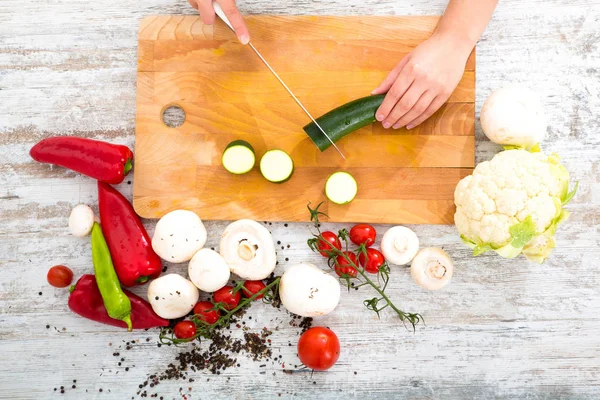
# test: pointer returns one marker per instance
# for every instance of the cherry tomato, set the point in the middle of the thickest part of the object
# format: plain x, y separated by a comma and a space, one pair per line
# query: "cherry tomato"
374, 262
363, 233
60, 276
201, 310
226, 296
332, 242
343, 267
252, 287
184, 330
319, 348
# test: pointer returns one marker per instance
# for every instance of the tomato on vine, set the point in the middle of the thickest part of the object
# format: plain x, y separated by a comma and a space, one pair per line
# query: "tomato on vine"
363, 234
184, 330
250, 288
227, 297
345, 267
203, 311
332, 241
372, 261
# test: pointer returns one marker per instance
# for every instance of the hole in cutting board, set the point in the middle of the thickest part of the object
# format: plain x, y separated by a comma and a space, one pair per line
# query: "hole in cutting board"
173, 116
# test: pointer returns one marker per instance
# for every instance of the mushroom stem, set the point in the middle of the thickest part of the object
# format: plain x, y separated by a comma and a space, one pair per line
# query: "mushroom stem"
436, 270
246, 250
432, 268
401, 243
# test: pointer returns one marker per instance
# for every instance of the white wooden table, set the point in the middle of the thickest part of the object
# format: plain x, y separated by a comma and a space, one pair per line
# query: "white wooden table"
502, 329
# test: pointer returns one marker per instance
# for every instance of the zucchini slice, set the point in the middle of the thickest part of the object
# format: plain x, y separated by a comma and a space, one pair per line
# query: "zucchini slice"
343, 120
276, 166
238, 157
341, 188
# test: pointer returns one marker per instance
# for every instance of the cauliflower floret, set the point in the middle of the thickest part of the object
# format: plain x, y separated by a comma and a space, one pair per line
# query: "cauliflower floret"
494, 228
504, 192
542, 209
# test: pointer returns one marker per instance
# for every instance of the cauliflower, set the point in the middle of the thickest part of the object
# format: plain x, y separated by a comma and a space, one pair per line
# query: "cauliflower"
513, 204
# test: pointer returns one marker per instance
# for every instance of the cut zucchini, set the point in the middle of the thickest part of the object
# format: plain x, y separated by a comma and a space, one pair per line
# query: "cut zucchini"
238, 157
343, 120
341, 188
276, 166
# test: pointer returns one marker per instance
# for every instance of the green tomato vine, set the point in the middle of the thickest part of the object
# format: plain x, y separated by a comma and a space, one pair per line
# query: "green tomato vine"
351, 281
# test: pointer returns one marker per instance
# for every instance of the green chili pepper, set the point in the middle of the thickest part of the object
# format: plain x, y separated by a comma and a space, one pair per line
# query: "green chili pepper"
116, 302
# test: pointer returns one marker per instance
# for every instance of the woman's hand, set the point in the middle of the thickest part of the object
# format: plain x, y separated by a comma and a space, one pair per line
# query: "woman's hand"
207, 12
421, 82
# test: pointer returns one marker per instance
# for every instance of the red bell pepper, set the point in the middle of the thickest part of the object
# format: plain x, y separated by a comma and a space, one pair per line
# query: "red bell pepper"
130, 246
86, 300
103, 161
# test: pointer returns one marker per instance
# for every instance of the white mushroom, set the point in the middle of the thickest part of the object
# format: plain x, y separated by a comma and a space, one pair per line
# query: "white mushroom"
514, 115
81, 220
308, 291
432, 268
208, 270
172, 296
178, 236
248, 248
399, 245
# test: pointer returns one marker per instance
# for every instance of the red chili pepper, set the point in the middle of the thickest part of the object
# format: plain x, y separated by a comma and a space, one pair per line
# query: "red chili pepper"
130, 246
86, 300
103, 161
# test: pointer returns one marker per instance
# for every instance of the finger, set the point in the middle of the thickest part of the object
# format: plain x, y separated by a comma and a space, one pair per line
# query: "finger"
416, 110
207, 12
404, 104
390, 78
433, 107
392, 97
193, 3
236, 20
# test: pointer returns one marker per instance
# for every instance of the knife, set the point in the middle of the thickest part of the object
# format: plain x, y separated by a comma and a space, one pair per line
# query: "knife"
221, 14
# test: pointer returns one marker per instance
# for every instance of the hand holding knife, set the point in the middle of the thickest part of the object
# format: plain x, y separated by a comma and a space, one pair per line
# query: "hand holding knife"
219, 12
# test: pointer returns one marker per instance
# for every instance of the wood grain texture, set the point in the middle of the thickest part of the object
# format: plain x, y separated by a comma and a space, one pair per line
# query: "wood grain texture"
227, 94
503, 329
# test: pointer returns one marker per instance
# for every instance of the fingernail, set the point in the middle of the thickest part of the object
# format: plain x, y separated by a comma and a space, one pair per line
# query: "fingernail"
397, 126
386, 125
379, 117
374, 90
245, 39
409, 127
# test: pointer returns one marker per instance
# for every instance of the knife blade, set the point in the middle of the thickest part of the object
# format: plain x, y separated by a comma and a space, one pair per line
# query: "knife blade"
221, 14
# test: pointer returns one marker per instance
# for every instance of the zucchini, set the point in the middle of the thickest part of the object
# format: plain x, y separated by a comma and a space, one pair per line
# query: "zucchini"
238, 157
276, 166
341, 188
343, 120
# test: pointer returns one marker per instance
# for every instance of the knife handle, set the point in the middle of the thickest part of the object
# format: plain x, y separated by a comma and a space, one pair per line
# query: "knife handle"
221, 14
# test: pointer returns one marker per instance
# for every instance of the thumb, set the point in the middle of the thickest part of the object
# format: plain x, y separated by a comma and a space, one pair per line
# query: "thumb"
390, 78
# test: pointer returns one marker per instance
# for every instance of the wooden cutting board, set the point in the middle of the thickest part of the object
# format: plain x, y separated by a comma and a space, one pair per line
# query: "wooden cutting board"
228, 94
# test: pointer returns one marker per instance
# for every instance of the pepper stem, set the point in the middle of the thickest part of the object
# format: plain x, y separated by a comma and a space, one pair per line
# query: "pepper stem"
128, 166
72, 289
127, 320
142, 279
